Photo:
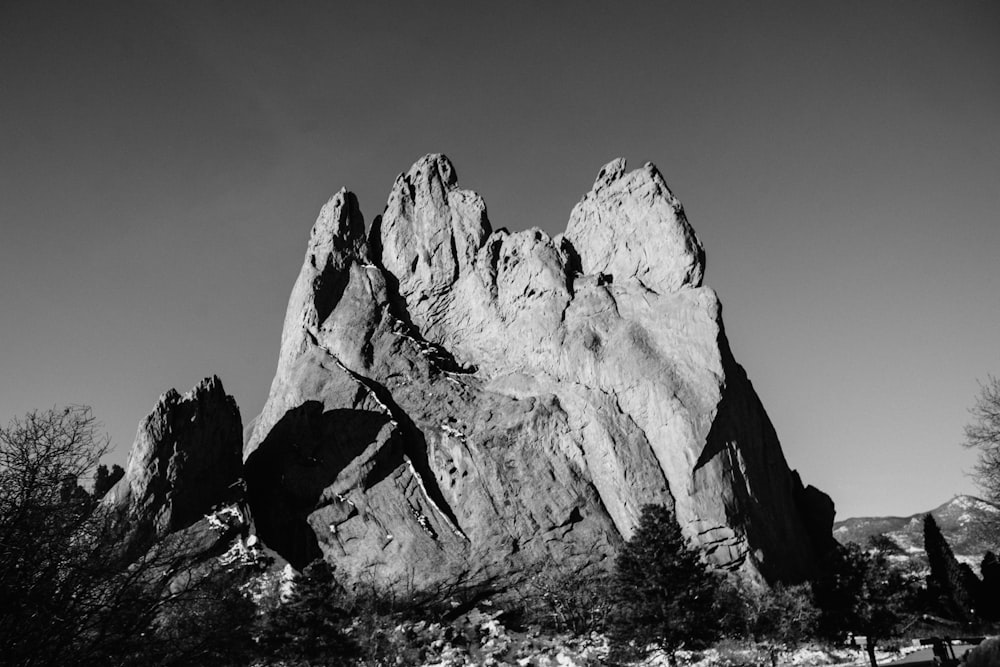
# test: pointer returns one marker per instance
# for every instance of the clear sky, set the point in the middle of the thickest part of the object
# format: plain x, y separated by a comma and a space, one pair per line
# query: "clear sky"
162, 162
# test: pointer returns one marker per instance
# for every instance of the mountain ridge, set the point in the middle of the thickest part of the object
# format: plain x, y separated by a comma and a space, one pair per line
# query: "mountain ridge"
960, 519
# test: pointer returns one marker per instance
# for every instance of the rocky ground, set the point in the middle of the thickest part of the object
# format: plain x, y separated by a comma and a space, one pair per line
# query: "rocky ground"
481, 639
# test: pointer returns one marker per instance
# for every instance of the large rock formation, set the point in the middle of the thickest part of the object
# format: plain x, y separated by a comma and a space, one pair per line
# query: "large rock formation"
185, 461
459, 404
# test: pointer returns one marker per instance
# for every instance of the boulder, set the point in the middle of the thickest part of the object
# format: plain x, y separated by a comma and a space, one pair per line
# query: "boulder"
458, 405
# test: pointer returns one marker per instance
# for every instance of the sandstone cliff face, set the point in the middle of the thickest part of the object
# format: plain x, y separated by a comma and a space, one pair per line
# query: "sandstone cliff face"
184, 461
454, 403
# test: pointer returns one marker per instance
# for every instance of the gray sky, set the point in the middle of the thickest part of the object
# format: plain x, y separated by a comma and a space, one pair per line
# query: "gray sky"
161, 164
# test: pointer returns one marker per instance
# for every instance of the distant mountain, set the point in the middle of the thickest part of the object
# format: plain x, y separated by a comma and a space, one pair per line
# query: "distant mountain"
962, 521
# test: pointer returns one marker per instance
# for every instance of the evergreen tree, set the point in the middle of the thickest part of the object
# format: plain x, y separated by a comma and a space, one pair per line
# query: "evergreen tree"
954, 586
664, 594
311, 626
989, 591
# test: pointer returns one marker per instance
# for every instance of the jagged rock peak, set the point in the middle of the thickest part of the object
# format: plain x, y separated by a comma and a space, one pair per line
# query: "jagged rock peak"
425, 186
432, 167
431, 229
340, 226
609, 173
186, 454
632, 227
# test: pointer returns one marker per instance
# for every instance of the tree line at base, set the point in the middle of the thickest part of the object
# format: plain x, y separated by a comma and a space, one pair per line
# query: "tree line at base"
72, 595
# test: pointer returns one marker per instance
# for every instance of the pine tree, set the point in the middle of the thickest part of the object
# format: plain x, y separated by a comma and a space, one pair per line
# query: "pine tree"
664, 593
955, 586
989, 592
311, 625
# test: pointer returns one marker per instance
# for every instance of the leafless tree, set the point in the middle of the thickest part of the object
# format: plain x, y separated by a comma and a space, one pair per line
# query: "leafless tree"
71, 593
983, 433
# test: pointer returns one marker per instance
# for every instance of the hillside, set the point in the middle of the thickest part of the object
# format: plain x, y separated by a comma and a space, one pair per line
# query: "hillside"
961, 519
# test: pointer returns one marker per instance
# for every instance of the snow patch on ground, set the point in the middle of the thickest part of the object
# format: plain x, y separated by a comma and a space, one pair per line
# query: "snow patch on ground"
498, 646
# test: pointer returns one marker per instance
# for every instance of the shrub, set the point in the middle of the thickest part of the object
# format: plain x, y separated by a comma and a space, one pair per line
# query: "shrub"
575, 603
786, 616
209, 625
323, 623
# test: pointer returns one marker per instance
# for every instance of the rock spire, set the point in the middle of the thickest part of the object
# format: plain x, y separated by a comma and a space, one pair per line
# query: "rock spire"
457, 404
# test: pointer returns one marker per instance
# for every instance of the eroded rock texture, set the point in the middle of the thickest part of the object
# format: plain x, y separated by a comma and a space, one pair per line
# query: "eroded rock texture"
455, 404
185, 460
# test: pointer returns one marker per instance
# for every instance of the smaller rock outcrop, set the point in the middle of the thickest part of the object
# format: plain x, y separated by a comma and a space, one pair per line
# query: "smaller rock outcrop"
185, 460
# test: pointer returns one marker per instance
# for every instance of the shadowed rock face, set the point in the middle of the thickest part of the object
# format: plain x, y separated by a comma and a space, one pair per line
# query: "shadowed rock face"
459, 404
185, 459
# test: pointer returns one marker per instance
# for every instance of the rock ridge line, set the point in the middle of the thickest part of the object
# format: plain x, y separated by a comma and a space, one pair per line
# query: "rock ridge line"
488, 403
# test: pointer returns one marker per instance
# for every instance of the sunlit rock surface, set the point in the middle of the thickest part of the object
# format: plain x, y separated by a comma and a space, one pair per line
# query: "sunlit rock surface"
456, 404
